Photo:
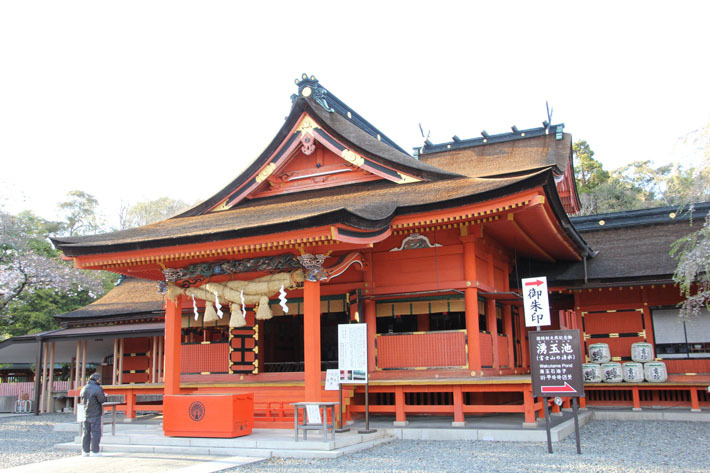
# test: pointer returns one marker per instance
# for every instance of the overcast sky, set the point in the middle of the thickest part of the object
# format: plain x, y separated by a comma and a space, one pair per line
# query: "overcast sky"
134, 100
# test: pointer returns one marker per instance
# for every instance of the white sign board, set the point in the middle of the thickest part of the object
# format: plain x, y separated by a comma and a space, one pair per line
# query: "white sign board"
313, 414
332, 380
352, 353
535, 302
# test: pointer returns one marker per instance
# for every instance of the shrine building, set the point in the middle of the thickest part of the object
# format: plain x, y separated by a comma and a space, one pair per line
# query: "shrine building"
333, 224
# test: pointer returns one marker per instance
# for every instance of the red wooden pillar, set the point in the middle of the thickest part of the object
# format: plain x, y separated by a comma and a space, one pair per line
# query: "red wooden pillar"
636, 398
508, 328
694, 403
311, 340
371, 320
459, 418
471, 302
400, 416
492, 327
529, 404
173, 321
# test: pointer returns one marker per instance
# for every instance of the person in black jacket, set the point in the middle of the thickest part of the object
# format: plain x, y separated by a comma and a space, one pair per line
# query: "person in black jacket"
93, 397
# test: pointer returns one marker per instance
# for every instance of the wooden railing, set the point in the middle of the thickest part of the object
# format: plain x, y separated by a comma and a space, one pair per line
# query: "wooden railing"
445, 349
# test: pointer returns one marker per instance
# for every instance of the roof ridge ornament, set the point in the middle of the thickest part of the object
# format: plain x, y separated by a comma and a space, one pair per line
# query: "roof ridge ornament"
310, 87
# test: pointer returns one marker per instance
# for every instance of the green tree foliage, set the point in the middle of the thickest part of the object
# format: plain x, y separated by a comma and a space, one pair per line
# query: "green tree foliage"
34, 311
80, 217
588, 172
151, 211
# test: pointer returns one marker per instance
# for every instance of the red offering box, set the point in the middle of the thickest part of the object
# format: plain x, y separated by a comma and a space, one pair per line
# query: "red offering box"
208, 415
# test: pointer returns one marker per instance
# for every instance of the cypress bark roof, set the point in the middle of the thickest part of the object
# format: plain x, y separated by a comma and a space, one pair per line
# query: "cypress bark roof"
131, 298
631, 245
368, 206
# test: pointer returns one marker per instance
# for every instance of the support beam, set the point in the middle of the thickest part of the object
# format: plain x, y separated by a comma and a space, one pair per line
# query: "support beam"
173, 314
311, 341
370, 318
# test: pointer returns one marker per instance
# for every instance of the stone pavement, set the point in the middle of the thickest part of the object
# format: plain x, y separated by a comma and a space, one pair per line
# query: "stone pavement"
120, 462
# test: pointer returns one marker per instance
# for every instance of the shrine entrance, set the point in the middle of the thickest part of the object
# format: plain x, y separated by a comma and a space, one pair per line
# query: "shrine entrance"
283, 342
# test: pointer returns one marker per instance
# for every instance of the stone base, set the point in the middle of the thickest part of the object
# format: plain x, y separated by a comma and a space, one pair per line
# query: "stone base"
458, 424
402, 423
529, 425
696, 410
636, 409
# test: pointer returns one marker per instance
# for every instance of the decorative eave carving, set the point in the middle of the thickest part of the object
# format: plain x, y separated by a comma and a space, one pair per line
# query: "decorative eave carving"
415, 241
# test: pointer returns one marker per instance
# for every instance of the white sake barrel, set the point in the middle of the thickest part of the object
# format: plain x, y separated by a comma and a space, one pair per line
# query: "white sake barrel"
655, 372
642, 352
592, 372
599, 353
611, 372
632, 372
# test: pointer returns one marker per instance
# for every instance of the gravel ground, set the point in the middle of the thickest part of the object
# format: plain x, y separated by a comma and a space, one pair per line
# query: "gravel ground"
30, 439
607, 446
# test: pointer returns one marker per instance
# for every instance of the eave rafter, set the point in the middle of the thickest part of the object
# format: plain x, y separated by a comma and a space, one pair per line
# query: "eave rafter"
304, 135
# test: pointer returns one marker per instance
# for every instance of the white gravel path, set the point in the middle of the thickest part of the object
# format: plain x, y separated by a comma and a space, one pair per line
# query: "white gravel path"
607, 446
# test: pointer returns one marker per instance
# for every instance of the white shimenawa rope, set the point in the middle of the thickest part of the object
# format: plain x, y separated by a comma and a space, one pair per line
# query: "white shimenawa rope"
217, 305
282, 299
194, 308
244, 311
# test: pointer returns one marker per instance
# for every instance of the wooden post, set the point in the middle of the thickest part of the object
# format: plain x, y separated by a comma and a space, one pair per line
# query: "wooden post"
153, 356
473, 331
524, 344
370, 318
85, 345
492, 327
400, 415
173, 330
120, 359
161, 359
45, 353
114, 365
694, 403
311, 340
459, 419
38, 378
508, 329
529, 403
636, 398
50, 379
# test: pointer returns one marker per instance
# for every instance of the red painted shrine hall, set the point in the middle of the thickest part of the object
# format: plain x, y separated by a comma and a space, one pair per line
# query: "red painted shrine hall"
334, 223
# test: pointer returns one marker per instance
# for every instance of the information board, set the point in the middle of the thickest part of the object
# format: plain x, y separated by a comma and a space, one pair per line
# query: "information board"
556, 363
352, 353
535, 302
332, 380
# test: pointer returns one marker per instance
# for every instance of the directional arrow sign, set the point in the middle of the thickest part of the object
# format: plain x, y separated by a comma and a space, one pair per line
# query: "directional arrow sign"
536, 282
535, 302
566, 388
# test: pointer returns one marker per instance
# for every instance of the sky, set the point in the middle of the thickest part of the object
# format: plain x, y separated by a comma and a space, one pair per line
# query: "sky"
135, 100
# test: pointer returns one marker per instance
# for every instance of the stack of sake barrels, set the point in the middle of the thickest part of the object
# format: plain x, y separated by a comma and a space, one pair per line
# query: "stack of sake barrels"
641, 367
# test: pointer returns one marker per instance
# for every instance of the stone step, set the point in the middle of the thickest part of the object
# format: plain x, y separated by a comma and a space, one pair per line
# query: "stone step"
258, 448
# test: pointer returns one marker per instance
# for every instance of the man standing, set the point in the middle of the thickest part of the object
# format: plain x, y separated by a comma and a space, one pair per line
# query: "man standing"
93, 397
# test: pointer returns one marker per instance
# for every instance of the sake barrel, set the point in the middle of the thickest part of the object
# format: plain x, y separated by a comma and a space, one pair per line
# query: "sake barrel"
642, 352
599, 353
655, 372
632, 372
611, 372
592, 372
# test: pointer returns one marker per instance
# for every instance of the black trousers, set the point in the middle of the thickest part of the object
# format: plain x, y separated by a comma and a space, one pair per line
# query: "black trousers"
92, 434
